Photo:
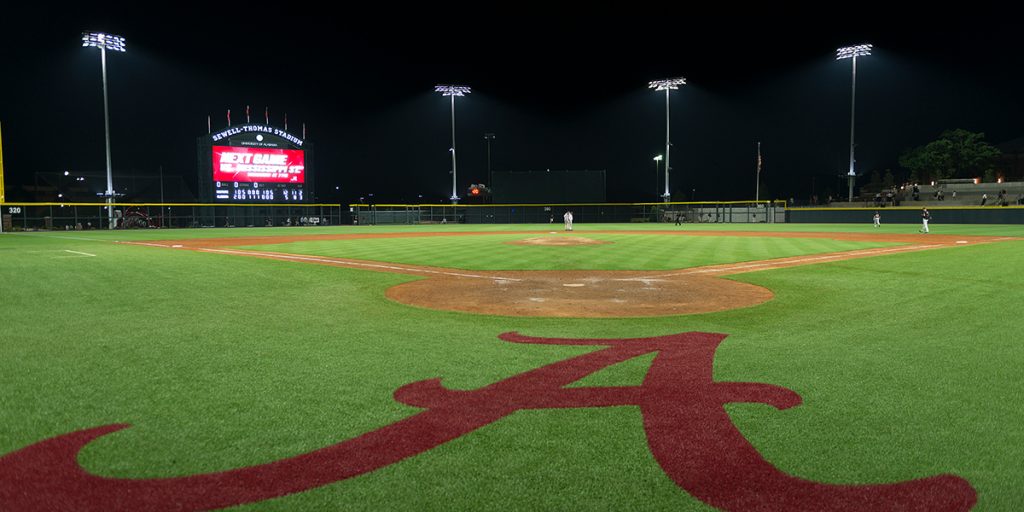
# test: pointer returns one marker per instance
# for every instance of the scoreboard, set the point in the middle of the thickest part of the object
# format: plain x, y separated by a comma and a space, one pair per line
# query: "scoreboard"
255, 164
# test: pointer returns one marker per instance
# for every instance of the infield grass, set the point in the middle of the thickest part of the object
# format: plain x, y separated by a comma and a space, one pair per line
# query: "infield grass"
908, 365
621, 252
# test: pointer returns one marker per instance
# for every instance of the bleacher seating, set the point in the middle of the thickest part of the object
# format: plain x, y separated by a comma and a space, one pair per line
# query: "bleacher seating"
967, 194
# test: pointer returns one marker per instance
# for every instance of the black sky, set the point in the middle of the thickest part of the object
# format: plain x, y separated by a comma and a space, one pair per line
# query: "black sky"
559, 92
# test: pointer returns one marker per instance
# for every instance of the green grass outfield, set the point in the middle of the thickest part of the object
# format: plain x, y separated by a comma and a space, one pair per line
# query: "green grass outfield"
909, 365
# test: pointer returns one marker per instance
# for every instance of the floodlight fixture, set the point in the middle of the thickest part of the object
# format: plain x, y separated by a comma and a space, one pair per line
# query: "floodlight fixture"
659, 158
103, 41
115, 44
848, 52
453, 91
666, 84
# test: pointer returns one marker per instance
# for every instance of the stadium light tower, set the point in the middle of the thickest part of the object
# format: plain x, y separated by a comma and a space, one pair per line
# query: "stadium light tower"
852, 52
115, 44
666, 85
453, 91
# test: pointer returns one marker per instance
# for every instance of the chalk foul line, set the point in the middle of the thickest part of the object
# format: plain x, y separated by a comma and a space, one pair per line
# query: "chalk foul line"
80, 253
792, 262
356, 264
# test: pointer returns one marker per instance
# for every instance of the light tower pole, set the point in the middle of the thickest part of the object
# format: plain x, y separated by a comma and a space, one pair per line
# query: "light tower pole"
666, 85
852, 52
116, 44
657, 162
489, 137
757, 178
453, 91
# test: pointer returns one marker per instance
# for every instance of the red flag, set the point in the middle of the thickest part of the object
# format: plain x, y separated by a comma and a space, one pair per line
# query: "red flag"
266, 114
229, 117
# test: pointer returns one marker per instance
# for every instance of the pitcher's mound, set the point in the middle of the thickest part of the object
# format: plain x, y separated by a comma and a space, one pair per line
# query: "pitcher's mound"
579, 294
558, 240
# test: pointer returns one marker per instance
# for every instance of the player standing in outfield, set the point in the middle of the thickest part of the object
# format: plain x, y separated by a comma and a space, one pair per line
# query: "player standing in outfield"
878, 219
925, 217
568, 220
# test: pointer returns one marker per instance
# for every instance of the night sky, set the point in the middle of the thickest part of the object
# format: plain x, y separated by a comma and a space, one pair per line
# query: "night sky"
559, 93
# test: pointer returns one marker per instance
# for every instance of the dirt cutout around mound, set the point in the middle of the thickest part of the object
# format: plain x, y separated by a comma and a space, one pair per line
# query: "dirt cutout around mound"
577, 293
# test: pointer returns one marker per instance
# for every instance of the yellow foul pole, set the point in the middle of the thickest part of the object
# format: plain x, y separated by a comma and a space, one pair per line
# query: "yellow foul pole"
1, 167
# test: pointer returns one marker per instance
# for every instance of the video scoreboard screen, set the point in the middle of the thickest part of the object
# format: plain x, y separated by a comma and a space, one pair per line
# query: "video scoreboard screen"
256, 174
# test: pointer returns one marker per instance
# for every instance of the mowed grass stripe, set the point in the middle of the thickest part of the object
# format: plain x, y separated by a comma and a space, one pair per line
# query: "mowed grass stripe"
626, 252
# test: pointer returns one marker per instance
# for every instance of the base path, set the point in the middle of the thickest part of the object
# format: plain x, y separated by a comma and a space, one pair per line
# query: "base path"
578, 293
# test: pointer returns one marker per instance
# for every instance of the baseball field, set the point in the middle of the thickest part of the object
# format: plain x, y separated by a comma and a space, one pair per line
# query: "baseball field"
514, 367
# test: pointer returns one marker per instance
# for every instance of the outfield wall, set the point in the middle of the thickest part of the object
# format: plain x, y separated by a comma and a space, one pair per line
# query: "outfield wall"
84, 216
724, 212
909, 215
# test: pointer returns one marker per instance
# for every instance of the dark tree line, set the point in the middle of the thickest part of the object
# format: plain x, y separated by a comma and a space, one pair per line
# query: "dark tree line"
955, 154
